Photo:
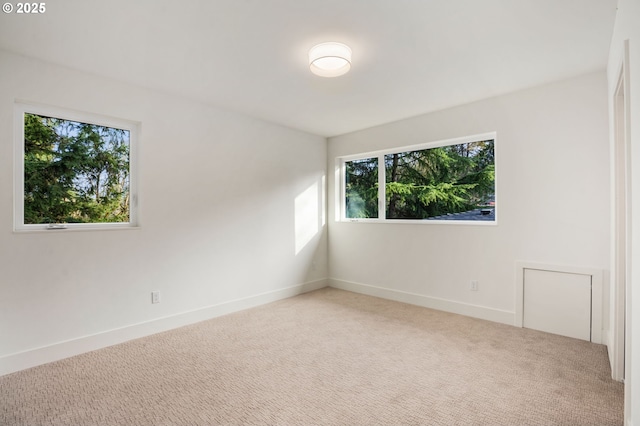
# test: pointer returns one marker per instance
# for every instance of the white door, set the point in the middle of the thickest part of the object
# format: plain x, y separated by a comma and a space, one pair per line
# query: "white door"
558, 303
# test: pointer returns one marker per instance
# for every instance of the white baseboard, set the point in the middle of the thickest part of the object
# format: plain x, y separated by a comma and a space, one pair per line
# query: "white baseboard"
476, 311
43, 355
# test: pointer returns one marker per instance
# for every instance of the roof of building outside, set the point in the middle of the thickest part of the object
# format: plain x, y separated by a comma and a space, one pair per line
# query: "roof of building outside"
476, 214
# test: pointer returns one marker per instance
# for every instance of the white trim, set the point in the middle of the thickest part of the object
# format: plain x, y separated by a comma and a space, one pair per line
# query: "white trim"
22, 107
38, 356
596, 292
339, 189
620, 268
420, 146
423, 221
461, 308
382, 187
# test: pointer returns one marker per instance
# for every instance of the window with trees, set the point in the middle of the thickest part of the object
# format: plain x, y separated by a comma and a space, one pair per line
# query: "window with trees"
442, 181
361, 183
73, 170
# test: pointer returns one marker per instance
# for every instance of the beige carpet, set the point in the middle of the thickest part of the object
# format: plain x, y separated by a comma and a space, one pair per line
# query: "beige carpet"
328, 358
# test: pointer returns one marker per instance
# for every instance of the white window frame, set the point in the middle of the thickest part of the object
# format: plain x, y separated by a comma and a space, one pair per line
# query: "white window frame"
20, 109
382, 211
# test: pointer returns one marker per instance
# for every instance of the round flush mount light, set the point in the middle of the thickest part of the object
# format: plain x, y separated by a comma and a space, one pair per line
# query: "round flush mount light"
330, 59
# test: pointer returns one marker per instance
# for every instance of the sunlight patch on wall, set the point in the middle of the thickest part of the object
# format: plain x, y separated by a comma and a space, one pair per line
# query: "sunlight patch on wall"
323, 201
307, 215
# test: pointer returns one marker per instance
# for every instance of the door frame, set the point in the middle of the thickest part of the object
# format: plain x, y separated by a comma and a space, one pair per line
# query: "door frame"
621, 217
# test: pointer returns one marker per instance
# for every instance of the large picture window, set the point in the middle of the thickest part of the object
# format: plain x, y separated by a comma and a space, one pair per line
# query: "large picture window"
444, 181
73, 170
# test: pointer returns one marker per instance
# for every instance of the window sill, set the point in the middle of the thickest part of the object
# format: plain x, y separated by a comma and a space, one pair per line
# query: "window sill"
423, 222
28, 229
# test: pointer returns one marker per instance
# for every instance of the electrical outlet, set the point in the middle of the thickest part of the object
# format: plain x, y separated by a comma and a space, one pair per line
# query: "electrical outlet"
473, 286
155, 297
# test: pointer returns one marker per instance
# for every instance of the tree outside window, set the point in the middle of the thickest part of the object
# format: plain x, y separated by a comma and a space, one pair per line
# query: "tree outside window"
451, 182
75, 172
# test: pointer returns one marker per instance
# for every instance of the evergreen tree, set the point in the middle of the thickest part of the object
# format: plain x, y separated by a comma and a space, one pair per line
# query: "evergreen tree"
424, 183
437, 181
362, 188
74, 172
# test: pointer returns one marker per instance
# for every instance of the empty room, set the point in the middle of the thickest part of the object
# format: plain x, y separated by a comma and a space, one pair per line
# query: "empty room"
298, 212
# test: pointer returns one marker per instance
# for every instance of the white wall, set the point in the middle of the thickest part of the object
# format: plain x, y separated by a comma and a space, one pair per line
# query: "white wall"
230, 213
627, 28
553, 202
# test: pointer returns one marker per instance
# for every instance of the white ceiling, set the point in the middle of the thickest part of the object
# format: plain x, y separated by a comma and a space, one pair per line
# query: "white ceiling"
409, 56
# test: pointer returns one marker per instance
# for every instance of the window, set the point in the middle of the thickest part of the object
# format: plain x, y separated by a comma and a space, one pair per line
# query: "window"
73, 170
442, 181
361, 186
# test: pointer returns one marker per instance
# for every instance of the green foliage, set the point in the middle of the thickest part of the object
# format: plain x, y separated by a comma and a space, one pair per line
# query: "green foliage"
425, 183
437, 181
74, 172
362, 188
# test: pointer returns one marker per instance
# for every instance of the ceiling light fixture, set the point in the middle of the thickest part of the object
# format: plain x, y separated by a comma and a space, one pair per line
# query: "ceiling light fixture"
330, 59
